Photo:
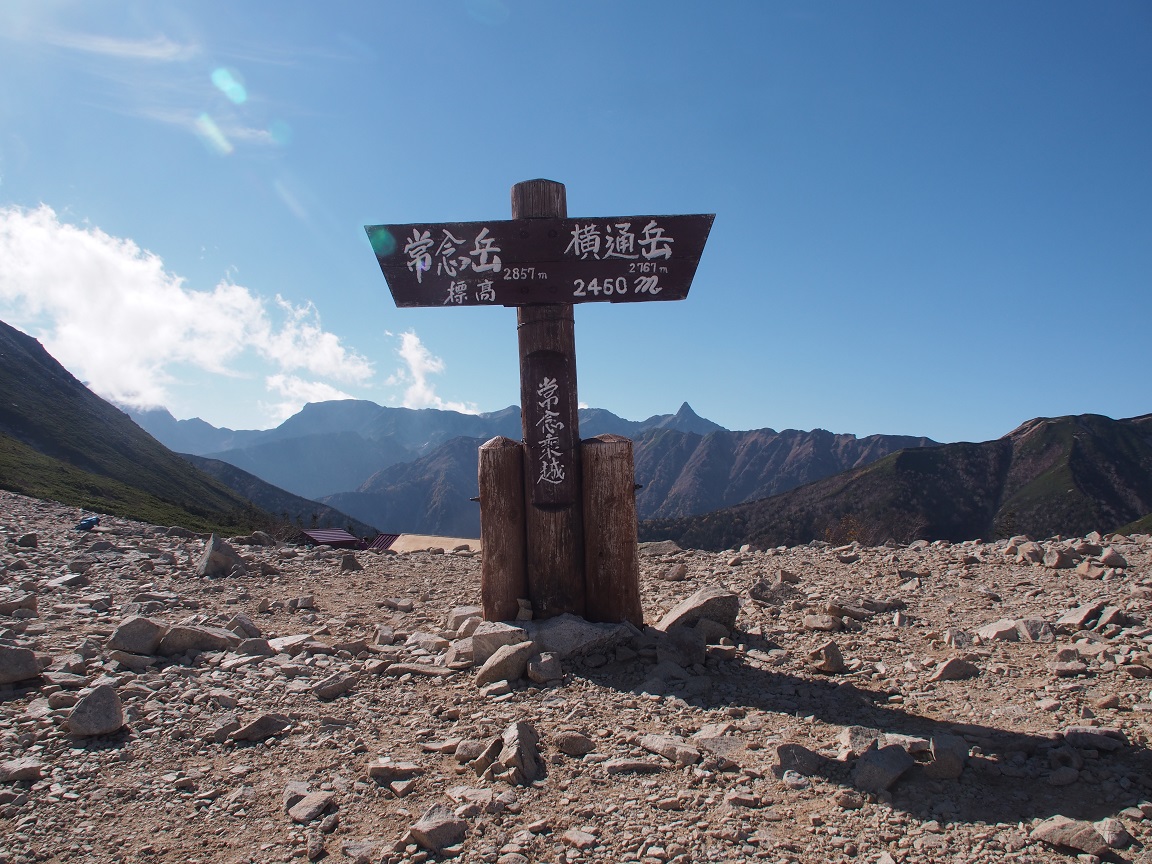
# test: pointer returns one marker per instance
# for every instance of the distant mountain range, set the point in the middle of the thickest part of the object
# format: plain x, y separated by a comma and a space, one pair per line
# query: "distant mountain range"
414, 471
1064, 475
403, 469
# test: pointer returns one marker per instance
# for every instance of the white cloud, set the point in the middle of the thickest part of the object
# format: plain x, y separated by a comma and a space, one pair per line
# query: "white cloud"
112, 315
297, 392
419, 364
158, 48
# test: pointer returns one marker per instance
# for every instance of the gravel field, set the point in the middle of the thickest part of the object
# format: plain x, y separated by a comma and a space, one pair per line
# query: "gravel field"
968, 702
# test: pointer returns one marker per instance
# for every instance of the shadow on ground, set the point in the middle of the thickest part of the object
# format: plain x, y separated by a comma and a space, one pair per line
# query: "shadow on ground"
1006, 778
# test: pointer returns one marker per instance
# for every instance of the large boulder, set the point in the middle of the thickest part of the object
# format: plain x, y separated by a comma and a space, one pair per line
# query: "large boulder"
182, 639
714, 604
219, 559
17, 664
137, 635
99, 712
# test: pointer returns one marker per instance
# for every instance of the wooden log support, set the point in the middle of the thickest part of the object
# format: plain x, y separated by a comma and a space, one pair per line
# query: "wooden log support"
612, 567
548, 400
541, 262
503, 568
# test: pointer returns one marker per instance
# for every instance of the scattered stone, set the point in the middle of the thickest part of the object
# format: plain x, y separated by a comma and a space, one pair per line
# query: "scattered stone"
632, 766
949, 756
672, 748
264, 726
827, 659
460, 614
573, 743
17, 601
761, 777
137, 635
1058, 559
1072, 833
579, 839
1113, 832
955, 669
519, 755
876, 770
335, 685
795, 757
1078, 619
438, 829
492, 635
99, 712
182, 639
544, 668
1095, 738
1004, 630
219, 559
1111, 558
311, 807
1035, 630
27, 768
385, 771
17, 664
823, 623
709, 602
569, 636
507, 663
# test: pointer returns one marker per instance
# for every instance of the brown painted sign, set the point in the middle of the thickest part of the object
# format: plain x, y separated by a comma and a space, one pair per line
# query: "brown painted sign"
523, 262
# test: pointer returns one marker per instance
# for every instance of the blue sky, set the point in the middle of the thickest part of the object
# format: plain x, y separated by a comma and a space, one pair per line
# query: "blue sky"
931, 218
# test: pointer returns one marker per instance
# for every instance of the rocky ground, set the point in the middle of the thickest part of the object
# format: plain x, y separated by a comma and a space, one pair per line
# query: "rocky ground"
963, 703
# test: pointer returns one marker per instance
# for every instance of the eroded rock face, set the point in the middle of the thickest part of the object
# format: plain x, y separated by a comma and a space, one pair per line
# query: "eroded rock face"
315, 712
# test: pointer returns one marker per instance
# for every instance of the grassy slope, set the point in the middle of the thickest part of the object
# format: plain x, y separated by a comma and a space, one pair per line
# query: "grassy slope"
28, 472
72, 446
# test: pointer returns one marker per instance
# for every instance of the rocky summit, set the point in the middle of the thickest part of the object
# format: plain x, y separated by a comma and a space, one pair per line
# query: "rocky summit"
931, 702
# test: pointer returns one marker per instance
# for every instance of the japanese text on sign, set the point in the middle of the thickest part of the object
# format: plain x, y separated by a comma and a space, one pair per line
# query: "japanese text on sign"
616, 240
531, 261
551, 468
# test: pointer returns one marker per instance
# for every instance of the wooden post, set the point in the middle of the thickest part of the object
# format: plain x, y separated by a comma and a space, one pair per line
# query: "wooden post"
612, 567
552, 474
541, 262
503, 573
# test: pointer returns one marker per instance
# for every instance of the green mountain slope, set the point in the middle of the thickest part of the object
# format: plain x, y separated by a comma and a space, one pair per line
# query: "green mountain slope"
61, 441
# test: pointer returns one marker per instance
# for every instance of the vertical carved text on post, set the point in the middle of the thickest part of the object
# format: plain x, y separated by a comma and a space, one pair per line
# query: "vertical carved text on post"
549, 426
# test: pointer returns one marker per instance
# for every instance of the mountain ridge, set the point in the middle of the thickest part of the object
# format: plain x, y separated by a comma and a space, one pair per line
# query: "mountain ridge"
1065, 475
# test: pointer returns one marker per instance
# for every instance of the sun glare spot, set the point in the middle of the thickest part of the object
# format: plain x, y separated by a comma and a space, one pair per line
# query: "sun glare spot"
211, 135
383, 243
280, 132
228, 82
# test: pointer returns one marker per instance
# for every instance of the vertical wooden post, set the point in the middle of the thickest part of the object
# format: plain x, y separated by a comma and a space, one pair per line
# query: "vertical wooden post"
548, 405
503, 573
612, 567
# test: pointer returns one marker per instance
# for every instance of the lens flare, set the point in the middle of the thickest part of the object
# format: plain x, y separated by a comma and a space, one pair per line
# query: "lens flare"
211, 135
383, 243
280, 132
228, 82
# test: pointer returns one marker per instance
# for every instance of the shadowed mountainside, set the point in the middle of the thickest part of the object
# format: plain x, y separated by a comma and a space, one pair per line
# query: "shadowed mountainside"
428, 496
285, 508
1065, 475
60, 441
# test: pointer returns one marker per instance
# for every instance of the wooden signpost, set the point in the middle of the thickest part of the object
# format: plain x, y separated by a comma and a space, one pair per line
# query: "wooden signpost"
557, 515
